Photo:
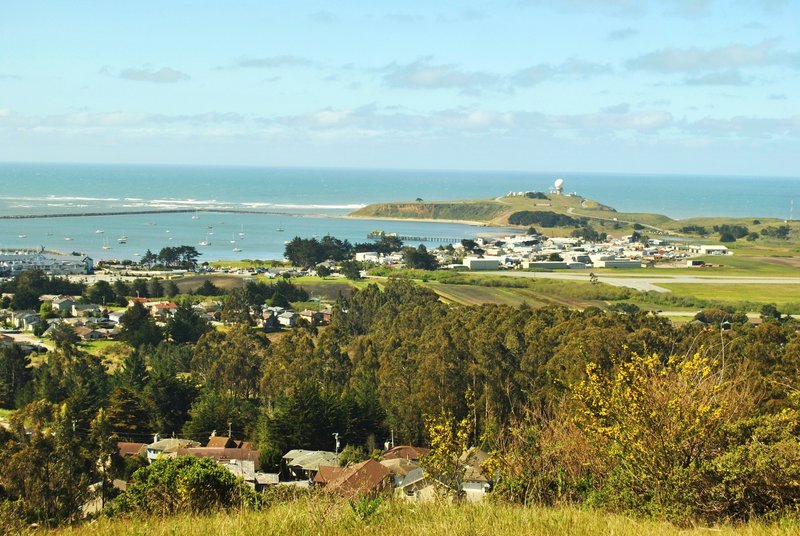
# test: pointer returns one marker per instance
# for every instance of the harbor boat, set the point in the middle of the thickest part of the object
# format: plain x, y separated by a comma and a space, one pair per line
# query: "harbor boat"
22, 236
279, 230
99, 231
196, 215
123, 239
241, 233
68, 238
233, 239
105, 244
237, 250
205, 242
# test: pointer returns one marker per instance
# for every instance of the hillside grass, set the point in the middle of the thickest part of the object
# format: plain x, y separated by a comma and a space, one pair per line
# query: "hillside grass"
332, 516
474, 211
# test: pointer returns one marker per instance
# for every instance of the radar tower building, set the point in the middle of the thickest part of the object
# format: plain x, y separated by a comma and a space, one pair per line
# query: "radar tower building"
558, 186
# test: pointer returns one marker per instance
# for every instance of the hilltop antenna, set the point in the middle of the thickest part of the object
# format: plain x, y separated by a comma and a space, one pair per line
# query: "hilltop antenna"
791, 209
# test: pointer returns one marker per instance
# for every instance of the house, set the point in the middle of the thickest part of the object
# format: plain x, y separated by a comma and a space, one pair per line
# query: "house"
313, 318
406, 452
416, 486
137, 299
287, 319
162, 310
269, 321
222, 442
246, 470
222, 455
116, 316
25, 320
303, 464
399, 467
327, 314
475, 483
61, 303
89, 334
365, 478
88, 309
326, 474
160, 448
127, 449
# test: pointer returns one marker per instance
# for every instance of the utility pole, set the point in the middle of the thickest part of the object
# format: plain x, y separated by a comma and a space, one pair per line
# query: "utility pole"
336, 446
229, 429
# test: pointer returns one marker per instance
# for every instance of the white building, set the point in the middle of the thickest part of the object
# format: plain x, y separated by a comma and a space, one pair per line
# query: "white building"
485, 263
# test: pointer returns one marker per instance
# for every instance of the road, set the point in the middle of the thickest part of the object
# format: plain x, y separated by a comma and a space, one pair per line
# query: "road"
647, 282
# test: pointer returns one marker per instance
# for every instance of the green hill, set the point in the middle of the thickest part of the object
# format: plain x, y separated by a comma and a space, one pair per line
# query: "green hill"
563, 214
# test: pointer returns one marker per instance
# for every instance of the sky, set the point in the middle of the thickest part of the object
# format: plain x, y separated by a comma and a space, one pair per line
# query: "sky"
616, 86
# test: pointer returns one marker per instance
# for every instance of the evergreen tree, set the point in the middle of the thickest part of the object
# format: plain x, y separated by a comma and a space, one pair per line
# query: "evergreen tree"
186, 325
15, 375
139, 328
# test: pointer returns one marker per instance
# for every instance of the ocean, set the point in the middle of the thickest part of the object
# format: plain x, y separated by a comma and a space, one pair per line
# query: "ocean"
301, 202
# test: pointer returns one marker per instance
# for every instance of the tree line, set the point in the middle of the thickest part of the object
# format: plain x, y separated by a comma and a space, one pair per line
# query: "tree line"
622, 410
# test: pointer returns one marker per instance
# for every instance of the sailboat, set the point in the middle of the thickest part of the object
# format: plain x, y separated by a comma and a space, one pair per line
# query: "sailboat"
241, 233
205, 242
196, 215
105, 244
123, 239
233, 239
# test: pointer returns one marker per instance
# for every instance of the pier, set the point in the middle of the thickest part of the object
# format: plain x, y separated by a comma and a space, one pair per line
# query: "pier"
410, 238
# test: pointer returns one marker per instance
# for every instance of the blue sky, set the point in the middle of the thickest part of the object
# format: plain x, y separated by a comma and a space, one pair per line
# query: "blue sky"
630, 86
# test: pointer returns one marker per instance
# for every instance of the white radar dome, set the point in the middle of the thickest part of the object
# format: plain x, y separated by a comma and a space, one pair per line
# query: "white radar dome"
559, 183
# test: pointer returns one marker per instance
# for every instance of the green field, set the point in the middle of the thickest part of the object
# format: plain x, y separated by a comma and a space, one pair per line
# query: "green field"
333, 516
783, 296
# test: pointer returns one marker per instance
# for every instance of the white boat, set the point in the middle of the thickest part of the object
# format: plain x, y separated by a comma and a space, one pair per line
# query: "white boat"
196, 215
205, 242
22, 236
241, 233
123, 239
237, 250
105, 244
67, 238
233, 239
99, 231
279, 230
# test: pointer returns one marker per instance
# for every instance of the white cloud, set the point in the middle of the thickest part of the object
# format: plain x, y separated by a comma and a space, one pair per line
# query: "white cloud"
728, 77
422, 74
572, 67
165, 75
270, 62
692, 60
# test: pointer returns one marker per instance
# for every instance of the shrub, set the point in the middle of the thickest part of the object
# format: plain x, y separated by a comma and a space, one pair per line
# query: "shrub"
183, 484
544, 218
